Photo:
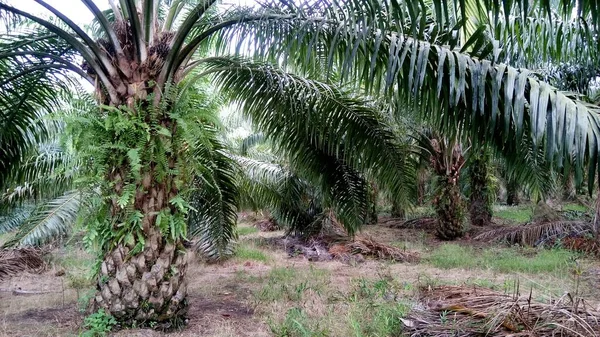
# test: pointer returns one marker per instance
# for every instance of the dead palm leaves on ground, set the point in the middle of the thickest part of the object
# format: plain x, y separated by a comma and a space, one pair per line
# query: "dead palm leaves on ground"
422, 223
536, 233
14, 261
267, 225
473, 311
369, 247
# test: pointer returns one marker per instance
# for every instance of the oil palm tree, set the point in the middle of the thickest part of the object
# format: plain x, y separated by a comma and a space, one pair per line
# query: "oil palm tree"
477, 88
136, 145
150, 53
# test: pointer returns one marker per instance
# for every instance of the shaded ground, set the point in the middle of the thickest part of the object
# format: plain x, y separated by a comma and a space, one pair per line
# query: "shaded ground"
264, 292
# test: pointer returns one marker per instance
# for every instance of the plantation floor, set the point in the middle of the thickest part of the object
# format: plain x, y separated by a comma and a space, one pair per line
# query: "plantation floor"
263, 292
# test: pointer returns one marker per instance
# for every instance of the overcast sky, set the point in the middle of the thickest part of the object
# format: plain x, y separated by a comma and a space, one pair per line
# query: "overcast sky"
74, 9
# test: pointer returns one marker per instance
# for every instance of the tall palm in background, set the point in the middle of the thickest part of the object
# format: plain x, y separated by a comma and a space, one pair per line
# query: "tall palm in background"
150, 52
463, 88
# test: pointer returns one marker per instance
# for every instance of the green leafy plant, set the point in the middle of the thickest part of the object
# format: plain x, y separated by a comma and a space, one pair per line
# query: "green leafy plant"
99, 324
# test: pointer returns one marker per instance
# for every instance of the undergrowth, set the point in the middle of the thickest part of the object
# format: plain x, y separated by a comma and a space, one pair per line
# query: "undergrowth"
503, 260
315, 306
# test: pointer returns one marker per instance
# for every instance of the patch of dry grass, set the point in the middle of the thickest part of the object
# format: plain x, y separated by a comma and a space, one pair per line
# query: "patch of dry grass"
278, 295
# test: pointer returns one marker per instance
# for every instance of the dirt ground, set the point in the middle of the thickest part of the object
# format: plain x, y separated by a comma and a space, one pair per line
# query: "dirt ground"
234, 298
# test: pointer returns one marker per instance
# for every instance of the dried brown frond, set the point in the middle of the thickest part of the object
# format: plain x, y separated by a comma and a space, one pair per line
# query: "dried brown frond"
339, 250
585, 245
14, 261
369, 247
475, 311
535, 234
423, 223
267, 225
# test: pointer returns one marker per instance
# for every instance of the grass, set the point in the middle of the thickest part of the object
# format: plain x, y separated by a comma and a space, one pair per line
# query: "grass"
286, 284
516, 214
247, 252
503, 260
309, 303
575, 207
246, 230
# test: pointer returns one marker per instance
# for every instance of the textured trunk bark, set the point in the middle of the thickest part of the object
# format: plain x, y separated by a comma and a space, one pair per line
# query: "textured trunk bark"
421, 180
480, 207
596, 224
449, 208
397, 211
447, 160
512, 193
569, 192
372, 217
142, 279
147, 288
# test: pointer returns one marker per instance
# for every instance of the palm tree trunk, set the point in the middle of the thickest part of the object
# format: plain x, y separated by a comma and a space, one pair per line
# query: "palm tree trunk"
142, 277
421, 181
146, 287
449, 208
447, 160
372, 217
569, 192
397, 211
512, 193
596, 223
480, 207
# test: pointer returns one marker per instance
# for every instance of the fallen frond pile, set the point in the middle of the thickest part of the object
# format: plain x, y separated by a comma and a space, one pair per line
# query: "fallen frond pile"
369, 247
535, 234
267, 225
422, 223
474, 311
582, 244
14, 261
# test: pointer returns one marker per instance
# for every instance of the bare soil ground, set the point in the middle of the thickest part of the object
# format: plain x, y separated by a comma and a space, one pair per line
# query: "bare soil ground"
272, 294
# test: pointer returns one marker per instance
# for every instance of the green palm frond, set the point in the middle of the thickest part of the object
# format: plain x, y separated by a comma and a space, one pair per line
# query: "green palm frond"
250, 141
530, 169
34, 67
14, 217
313, 123
490, 101
44, 173
215, 197
270, 186
536, 41
48, 221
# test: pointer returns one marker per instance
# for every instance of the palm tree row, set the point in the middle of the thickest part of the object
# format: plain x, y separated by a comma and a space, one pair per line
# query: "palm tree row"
149, 147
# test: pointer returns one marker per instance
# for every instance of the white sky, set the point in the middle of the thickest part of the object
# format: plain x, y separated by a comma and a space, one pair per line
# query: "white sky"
74, 9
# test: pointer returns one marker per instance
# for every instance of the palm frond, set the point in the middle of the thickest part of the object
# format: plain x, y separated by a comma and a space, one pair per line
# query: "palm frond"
215, 198
32, 84
250, 141
490, 101
535, 234
270, 186
48, 221
314, 123
13, 218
